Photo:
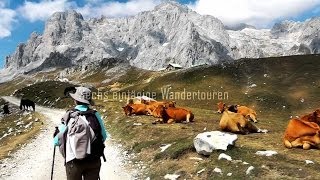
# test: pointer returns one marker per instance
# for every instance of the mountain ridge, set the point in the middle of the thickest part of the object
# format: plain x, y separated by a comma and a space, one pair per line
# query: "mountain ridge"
171, 33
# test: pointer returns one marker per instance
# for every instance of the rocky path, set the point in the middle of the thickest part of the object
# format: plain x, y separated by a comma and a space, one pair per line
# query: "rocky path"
34, 160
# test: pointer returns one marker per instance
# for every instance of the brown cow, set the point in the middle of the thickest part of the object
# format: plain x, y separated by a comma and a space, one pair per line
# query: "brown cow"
248, 113
173, 114
302, 133
152, 105
137, 109
245, 111
222, 106
237, 123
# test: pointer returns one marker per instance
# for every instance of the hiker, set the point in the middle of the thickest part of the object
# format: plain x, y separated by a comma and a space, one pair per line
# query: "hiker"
81, 138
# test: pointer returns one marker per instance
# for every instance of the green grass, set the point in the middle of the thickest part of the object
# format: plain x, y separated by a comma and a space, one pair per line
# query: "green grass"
48, 93
17, 134
178, 148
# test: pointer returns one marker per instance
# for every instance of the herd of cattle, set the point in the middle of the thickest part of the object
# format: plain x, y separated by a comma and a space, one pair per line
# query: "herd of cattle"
301, 132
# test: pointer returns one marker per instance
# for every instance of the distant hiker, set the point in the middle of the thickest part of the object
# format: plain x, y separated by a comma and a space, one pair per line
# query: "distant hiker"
81, 138
26, 103
6, 109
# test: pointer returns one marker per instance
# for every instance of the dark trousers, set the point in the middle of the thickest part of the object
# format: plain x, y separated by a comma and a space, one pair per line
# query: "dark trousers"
88, 170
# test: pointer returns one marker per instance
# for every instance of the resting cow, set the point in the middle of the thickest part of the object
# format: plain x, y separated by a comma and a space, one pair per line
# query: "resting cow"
245, 111
137, 109
152, 106
237, 123
303, 132
173, 114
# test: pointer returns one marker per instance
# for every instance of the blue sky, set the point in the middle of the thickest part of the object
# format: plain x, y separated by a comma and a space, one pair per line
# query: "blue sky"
19, 18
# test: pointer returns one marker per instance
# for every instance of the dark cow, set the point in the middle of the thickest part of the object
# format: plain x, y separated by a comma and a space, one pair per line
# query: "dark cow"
68, 90
26, 103
6, 109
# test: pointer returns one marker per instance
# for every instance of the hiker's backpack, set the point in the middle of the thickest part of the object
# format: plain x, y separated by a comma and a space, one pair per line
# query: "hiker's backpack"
82, 135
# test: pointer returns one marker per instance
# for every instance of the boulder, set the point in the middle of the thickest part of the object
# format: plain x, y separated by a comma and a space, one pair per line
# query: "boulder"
206, 142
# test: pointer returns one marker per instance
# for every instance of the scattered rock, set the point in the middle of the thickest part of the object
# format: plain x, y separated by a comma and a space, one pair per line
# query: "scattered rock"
249, 170
245, 163
196, 158
28, 125
137, 124
19, 123
36, 120
217, 170
164, 147
201, 171
253, 85
171, 176
229, 174
224, 156
206, 142
10, 130
266, 153
309, 162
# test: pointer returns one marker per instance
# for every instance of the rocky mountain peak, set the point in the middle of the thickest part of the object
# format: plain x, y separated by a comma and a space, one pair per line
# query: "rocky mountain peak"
171, 6
171, 33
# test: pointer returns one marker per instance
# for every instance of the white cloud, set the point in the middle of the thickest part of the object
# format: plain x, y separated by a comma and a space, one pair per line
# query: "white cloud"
7, 19
34, 11
259, 13
118, 9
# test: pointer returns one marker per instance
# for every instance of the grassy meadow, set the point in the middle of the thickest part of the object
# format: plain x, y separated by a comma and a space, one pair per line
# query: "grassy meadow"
276, 88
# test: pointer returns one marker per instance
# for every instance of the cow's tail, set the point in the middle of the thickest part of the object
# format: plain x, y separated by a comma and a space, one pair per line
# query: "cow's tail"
189, 117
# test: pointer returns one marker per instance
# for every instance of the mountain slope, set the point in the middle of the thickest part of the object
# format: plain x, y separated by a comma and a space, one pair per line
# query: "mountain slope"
171, 33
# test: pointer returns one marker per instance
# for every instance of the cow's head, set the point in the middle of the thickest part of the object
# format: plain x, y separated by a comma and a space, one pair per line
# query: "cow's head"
233, 108
161, 110
171, 104
221, 106
316, 116
252, 117
127, 110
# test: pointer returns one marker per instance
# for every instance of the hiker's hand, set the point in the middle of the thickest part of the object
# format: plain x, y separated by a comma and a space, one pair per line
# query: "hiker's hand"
56, 132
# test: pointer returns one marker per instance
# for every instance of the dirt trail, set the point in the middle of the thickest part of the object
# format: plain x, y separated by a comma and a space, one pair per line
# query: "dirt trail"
34, 160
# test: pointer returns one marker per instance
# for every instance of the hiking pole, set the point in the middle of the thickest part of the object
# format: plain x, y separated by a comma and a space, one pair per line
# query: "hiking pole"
54, 153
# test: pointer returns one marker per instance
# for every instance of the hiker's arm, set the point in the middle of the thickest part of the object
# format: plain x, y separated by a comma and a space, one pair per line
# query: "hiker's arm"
103, 129
62, 128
